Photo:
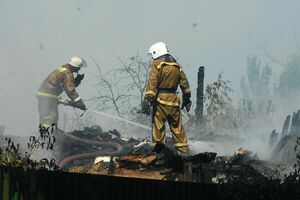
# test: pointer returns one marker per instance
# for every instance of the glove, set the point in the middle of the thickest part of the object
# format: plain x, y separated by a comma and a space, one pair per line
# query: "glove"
186, 102
78, 79
79, 104
146, 106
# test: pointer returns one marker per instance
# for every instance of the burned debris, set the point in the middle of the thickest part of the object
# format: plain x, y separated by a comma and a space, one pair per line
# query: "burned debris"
93, 150
137, 159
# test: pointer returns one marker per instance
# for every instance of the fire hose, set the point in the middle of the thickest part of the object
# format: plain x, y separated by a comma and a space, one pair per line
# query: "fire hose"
117, 149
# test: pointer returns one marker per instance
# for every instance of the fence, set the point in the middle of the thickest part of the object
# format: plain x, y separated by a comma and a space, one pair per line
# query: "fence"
16, 184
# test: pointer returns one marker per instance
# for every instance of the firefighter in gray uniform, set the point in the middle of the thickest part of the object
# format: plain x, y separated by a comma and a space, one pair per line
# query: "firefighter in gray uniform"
61, 79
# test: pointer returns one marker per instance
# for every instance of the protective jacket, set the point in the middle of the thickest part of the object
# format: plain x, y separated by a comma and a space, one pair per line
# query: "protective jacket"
61, 79
165, 76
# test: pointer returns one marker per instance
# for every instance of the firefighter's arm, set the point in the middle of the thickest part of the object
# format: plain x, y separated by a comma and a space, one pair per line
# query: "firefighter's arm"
186, 92
151, 89
78, 79
70, 89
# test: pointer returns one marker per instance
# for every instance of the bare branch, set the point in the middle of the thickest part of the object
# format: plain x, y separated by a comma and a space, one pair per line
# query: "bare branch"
273, 59
101, 75
129, 71
296, 41
108, 85
137, 71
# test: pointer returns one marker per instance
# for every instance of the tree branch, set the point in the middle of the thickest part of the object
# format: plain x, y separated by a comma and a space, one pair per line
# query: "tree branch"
273, 59
296, 41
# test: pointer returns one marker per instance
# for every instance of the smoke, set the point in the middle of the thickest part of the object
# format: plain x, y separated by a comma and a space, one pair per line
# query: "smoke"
254, 133
38, 36
255, 140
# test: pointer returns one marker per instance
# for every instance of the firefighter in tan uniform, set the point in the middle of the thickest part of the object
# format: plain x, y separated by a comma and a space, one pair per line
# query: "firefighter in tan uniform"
165, 76
61, 79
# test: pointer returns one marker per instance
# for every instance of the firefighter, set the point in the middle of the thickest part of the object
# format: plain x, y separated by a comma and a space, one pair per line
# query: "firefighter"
165, 76
61, 79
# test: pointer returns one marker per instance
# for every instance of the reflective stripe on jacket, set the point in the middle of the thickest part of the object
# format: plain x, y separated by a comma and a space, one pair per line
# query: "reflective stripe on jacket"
61, 79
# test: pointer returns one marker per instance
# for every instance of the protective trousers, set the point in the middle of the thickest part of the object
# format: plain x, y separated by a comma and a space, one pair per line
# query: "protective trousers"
171, 114
48, 111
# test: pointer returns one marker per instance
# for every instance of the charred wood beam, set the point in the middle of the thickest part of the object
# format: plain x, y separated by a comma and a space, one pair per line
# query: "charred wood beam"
200, 98
286, 125
273, 138
295, 124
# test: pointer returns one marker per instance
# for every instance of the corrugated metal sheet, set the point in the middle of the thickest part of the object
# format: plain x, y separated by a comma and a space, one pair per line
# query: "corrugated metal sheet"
44, 185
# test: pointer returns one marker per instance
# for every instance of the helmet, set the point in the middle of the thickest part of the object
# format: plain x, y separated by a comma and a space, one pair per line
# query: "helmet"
77, 62
158, 49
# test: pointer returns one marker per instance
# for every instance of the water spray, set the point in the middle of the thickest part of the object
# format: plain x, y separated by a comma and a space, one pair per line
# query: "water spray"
120, 119
70, 103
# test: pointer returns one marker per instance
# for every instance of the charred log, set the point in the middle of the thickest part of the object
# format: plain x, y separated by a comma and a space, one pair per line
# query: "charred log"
295, 126
273, 138
200, 99
286, 125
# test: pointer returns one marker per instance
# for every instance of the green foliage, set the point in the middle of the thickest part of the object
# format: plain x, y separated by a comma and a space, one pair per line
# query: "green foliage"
217, 98
265, 78
289, 82
244, 88
255, 86
253, 75
10, 156
218, 103
258, 79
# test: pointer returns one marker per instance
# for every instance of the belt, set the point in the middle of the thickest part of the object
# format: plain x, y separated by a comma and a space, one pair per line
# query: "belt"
167, 90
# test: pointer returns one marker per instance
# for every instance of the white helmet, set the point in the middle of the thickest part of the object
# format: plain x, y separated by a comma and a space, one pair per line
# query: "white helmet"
77, 62
158, 49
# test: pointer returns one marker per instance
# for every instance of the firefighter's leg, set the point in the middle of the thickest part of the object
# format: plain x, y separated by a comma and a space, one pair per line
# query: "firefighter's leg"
178, 133
158, 125
48, 111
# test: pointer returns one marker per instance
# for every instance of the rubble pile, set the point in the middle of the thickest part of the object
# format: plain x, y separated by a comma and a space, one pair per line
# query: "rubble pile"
81, 147
135, 158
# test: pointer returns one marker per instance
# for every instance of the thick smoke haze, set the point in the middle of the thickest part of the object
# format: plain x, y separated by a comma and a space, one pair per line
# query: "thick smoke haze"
36, 36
